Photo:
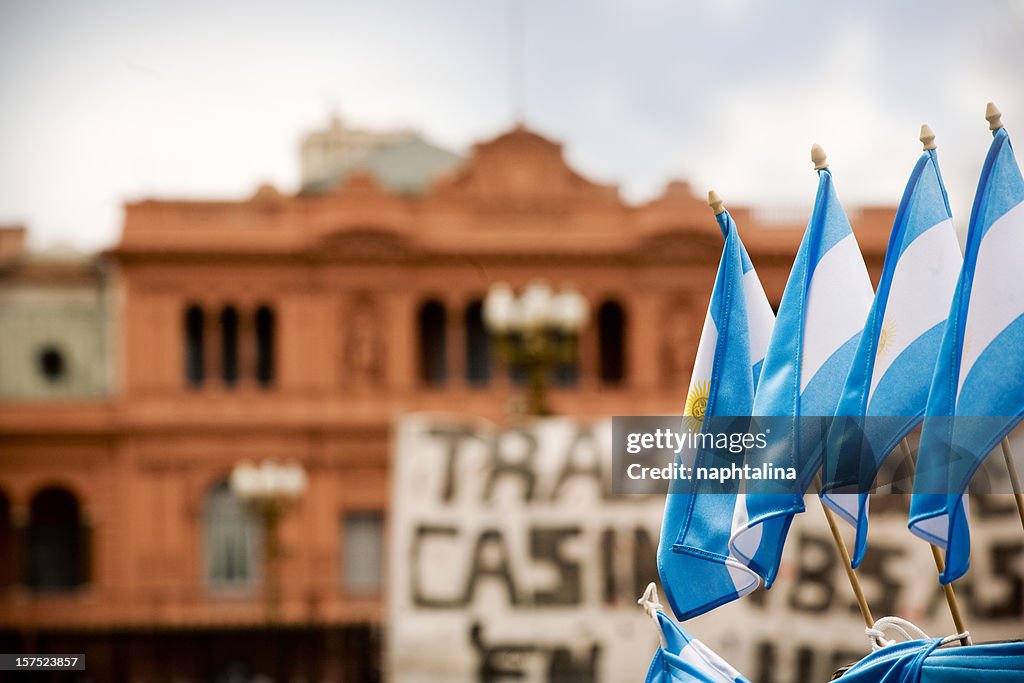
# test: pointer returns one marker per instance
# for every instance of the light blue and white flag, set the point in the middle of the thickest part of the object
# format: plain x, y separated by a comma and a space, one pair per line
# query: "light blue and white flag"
978, 377
693, 555
820, 319
926, 661
887, 388
684, 659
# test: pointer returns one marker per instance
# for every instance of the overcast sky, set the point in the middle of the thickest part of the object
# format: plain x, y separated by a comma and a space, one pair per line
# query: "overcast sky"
104, 102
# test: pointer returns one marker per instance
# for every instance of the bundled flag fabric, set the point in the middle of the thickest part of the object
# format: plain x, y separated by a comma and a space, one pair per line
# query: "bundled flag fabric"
684, 659
693, 554
887, 387
820, 319
923, 661
977, 395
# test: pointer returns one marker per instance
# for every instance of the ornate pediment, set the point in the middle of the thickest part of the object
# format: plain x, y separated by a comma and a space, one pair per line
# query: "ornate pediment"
681, 246
520, 171
363, 244
360, 184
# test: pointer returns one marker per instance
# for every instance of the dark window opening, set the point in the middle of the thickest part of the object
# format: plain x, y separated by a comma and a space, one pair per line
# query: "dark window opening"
478, 346
7, 556
57, 548
229, 345
194, 361
265, 334
433, 321
611, 331
52, 365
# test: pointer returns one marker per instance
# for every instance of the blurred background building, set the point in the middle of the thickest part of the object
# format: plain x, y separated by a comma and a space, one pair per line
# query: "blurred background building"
294, 328
55, 313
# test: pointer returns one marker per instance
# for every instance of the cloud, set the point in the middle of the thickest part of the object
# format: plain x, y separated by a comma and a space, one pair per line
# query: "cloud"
117, 99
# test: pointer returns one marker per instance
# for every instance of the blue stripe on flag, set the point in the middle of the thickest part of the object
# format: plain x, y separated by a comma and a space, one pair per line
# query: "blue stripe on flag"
905, 326
980, 363
693, 554
816, 327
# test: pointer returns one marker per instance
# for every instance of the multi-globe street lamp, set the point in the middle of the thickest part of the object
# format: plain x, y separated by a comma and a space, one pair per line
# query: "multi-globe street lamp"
269, 490
538, 330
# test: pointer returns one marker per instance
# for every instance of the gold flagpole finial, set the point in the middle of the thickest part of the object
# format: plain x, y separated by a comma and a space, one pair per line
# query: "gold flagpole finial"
715, 202
927, 137
993, 116
818, 157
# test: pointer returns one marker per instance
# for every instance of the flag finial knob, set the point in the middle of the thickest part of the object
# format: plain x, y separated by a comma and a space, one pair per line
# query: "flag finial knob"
715, 202
993, 116
927, 137
818, 157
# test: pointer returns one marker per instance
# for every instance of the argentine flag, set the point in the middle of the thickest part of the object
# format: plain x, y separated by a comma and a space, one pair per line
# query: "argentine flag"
978, 377
820, 319
891, 373
926, 661
684, 659
693, 554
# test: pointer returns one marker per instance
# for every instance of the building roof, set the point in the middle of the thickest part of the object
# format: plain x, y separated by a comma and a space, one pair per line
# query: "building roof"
405, 167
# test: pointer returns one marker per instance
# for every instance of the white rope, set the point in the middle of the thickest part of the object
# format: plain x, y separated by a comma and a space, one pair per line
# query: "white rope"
905, 630
650, 604
649, 601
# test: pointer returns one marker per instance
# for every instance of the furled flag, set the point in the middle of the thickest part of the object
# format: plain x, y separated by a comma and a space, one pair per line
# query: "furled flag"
977, 395
887, 388
682, 658
693, 555
820, 319
924, 661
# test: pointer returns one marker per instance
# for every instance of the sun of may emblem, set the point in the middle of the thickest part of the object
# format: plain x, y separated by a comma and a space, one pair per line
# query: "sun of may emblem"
697, 403
886, 337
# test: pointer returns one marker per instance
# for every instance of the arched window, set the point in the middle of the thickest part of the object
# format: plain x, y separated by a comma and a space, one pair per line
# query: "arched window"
57, 543
7, 557
433, 321
611, 335
478, 346
232, 539
194, 346
229, 345
265, 335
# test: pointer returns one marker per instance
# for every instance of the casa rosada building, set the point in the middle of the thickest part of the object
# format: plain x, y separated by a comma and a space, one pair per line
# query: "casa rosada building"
295, 328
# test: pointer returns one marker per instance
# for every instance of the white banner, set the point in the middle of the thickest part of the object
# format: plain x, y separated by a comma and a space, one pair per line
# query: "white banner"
510, 560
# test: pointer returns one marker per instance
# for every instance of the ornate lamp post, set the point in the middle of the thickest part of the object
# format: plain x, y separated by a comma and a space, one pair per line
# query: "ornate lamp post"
537, 331
269, 490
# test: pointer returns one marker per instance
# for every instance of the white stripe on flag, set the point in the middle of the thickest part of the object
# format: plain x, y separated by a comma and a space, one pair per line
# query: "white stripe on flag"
837, 305
708, 662
847, 505
998, 287
934, 258
745, 540
760, 318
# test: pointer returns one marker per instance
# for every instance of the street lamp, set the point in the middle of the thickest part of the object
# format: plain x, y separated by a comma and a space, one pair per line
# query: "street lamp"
269, 490
536, 330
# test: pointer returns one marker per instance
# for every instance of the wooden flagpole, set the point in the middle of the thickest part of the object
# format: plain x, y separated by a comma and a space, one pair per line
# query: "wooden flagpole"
844, 556
940, 565
1018, 495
